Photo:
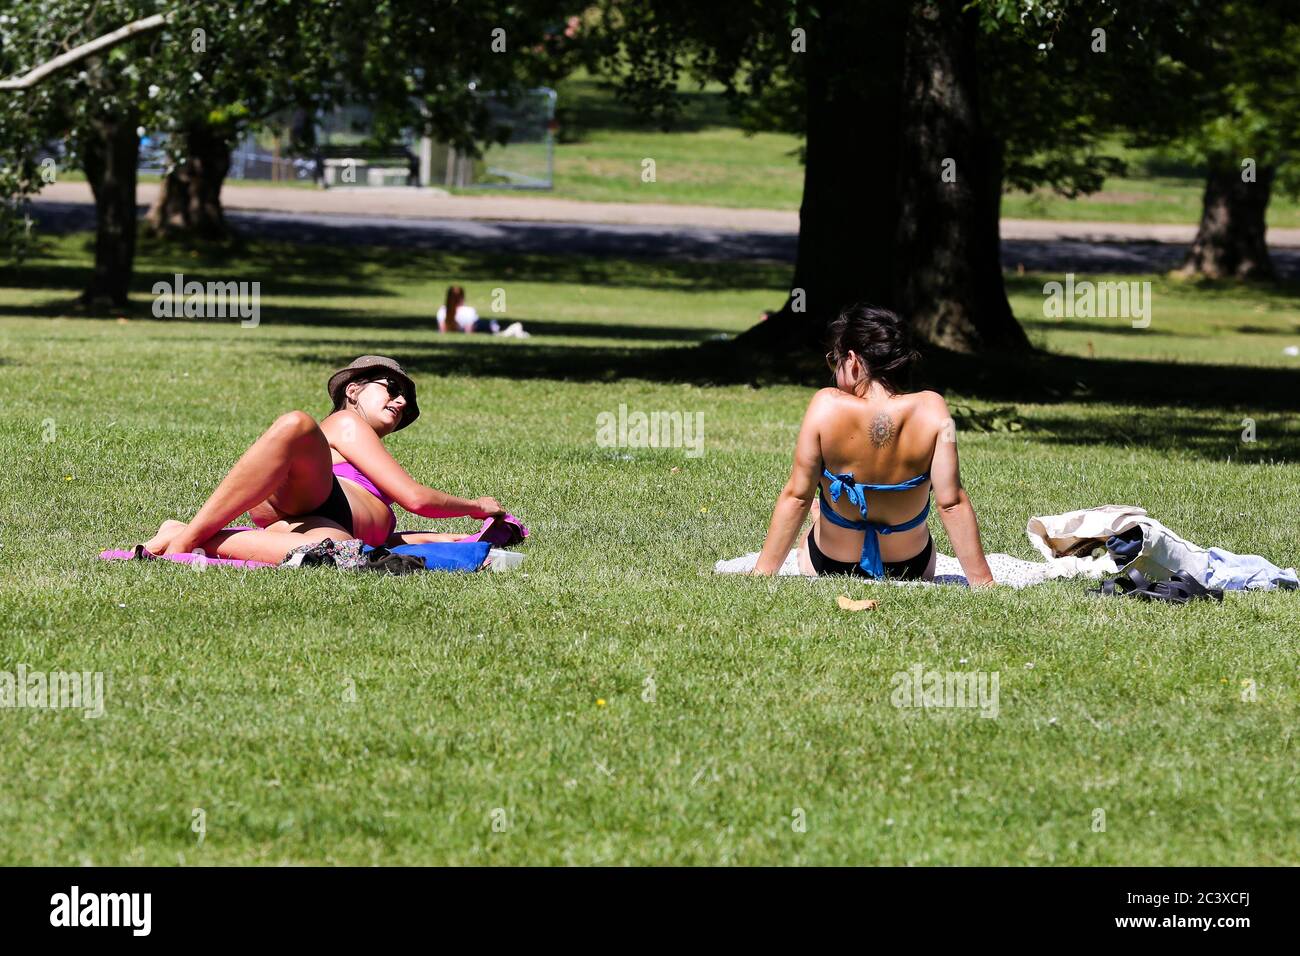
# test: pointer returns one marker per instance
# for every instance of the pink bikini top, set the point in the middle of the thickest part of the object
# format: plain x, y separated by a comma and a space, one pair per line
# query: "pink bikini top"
345, 469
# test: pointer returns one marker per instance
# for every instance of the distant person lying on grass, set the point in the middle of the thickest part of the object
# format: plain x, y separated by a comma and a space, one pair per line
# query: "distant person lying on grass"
868, 446
456, 316
302, 482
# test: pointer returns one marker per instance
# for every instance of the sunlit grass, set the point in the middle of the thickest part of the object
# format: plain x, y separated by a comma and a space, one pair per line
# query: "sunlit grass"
730, 703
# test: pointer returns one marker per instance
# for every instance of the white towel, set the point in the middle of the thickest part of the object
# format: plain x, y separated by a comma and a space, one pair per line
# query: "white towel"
947, 570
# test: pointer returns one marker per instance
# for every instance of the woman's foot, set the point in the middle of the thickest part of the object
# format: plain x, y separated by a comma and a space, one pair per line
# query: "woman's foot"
166, 532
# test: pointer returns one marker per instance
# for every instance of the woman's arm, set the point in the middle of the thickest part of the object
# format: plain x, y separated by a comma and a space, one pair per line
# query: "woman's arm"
955, 509
796, 497
357, 442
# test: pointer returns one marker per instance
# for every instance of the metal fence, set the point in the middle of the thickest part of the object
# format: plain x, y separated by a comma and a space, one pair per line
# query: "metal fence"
251, 160
345, 156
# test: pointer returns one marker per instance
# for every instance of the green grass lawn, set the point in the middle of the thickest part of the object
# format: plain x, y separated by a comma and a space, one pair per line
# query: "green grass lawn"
524, 698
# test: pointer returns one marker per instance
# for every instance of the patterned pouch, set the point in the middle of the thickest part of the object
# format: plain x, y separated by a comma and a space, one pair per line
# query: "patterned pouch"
339, 554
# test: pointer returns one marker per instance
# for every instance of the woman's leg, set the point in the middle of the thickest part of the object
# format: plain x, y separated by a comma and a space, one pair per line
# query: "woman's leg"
289, 465
268, 545
421, 537
265, 545
928, 573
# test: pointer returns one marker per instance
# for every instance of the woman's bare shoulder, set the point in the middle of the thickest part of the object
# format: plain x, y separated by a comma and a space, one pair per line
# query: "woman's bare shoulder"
823, 402
342, 427
930, 406
829, 397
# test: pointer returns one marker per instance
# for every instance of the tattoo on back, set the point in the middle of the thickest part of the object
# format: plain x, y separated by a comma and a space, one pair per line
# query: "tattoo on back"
882, 430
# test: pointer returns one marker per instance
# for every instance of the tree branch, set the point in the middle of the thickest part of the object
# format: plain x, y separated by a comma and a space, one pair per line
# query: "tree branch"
83, 51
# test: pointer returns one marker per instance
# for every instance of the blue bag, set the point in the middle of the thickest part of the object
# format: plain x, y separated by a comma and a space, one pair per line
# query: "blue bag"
447, 555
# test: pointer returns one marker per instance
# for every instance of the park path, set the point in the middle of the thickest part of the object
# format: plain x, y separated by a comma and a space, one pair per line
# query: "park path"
430, 219
407, 203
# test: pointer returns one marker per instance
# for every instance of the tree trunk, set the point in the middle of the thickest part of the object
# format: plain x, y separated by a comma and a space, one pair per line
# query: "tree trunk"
110, 155
189, 197
877, 222
849, 212
1230, 242
948, 258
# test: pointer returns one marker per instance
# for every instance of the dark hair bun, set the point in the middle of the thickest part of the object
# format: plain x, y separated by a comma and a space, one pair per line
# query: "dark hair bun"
880, 338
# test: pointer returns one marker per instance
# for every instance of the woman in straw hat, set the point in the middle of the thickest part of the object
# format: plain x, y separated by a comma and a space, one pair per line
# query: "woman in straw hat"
302, 482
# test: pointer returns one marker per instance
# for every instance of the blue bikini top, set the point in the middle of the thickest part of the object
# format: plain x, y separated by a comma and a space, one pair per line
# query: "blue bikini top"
854, 490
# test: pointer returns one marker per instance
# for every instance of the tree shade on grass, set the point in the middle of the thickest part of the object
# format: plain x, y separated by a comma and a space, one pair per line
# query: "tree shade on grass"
324, 718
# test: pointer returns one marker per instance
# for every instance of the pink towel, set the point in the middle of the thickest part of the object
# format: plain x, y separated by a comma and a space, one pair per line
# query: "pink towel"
500, 532
186, 558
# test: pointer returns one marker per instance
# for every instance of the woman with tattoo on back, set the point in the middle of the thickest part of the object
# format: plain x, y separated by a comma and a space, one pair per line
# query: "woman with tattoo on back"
871, 452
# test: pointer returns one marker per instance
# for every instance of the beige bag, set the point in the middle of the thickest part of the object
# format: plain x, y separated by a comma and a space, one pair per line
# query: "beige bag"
1163, 552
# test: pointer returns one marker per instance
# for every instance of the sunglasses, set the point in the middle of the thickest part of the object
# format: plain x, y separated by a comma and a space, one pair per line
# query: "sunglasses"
394, 388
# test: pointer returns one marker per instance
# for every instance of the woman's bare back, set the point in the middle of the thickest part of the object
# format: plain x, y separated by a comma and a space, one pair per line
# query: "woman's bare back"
879, 439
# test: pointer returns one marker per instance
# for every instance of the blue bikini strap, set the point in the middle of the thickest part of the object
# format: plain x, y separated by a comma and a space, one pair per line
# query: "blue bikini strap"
871, 562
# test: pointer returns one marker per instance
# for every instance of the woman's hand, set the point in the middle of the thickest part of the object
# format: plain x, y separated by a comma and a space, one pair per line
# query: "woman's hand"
488, 507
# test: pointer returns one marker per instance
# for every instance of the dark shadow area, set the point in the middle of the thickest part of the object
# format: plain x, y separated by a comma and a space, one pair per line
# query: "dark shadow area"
338, 249
600, 240
1263, 330
1059, 256
1168, 292
35, 274
270, 314
600, 330
1215, 435
1043, 377
1116, 326
315, 316
603, 240
479, 357
678, 245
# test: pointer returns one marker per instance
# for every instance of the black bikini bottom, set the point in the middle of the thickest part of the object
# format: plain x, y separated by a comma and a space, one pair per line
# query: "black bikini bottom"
336, 507
910, 570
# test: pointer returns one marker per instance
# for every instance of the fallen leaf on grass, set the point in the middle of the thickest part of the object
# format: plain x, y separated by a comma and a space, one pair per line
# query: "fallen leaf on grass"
849, 604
